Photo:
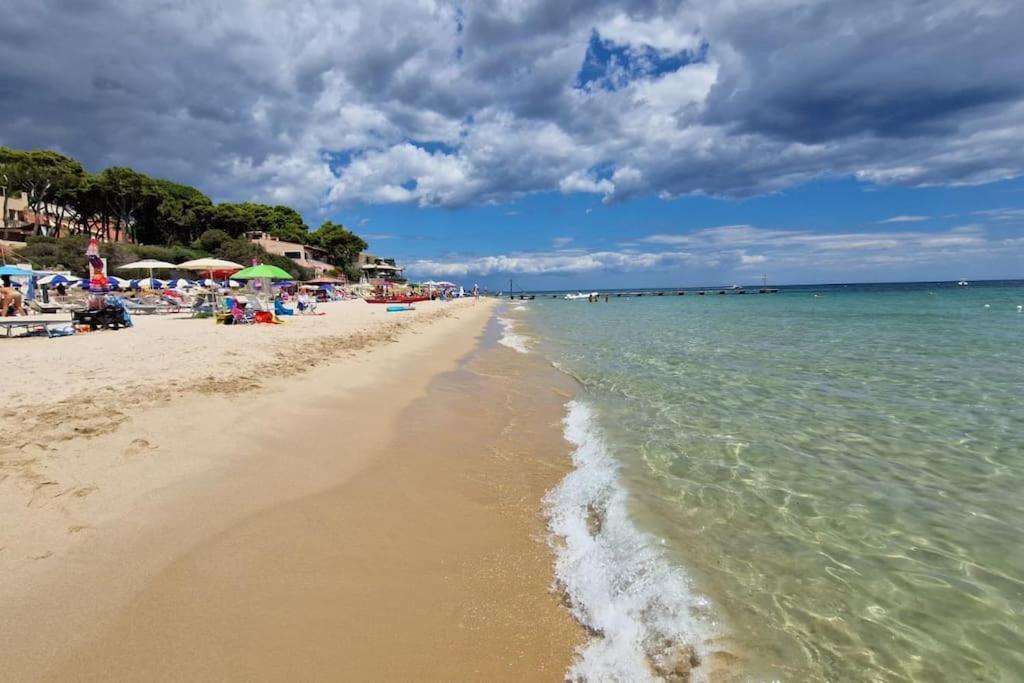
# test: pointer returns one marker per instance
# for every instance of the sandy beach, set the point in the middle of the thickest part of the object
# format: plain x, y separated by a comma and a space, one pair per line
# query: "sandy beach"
354, 494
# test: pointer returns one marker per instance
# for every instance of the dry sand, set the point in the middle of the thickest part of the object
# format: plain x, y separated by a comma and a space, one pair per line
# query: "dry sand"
303, 502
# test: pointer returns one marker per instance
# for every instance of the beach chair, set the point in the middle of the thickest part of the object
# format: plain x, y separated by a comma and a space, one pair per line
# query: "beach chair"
173, 305
138, 307
40, 307
241, 316
281, 309
201, 309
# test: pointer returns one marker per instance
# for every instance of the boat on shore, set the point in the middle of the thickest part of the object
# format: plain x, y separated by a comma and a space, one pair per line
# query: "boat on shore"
398, 299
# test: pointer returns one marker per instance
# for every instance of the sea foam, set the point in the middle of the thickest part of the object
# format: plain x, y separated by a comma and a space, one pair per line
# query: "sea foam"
512, 339
648, 622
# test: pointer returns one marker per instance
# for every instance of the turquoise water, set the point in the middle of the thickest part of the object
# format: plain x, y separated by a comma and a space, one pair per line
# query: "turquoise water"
835, 479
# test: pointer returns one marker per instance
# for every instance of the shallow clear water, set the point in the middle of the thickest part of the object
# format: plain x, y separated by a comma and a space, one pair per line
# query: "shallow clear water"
839, 471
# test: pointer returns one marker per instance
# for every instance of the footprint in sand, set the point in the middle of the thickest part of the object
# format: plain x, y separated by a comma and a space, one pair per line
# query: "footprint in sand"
84, 491
138, 447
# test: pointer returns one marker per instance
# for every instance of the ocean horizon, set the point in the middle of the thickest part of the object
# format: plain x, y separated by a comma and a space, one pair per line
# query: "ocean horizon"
753, 287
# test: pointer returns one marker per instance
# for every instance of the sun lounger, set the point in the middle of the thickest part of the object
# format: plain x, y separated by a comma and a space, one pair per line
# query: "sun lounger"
40, 307
49, 326
176, 304
136, 307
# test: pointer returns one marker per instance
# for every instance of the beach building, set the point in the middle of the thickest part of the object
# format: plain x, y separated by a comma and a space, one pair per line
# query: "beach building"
15, 226
380, 269
312, 258
20, 222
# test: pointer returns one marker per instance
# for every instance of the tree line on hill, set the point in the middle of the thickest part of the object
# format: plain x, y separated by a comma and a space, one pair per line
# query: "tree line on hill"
171, 218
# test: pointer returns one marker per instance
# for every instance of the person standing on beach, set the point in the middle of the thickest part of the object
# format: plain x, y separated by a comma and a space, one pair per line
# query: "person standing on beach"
9, 296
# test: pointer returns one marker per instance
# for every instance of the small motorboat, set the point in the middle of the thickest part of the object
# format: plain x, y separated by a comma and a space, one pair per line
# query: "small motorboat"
580, 296
962, 283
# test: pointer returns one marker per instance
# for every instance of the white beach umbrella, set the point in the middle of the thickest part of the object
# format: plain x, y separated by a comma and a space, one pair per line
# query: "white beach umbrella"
147, 264
148, 283
209, 265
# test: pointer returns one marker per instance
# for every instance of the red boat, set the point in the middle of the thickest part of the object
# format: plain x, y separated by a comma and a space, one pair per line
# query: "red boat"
398, 299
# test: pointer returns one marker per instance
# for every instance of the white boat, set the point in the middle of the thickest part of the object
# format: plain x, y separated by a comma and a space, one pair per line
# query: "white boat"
962, 283
580, 296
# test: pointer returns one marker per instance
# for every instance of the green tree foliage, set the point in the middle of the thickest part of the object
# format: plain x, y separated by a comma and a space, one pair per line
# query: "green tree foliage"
211, 241
9, 181
240, 250
68, 253
125, 192
173, 214
41, 175
342, 246
121, 202
280, 221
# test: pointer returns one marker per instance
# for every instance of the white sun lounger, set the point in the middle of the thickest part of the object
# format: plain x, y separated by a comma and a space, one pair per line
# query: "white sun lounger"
30, 324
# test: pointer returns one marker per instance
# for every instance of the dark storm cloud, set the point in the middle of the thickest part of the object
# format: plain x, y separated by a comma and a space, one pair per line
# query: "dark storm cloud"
253, 99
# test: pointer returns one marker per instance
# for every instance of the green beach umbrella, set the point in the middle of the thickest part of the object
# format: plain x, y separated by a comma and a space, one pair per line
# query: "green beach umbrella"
262, 271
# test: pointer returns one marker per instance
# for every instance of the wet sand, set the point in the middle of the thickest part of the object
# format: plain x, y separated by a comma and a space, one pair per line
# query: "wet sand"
387, 527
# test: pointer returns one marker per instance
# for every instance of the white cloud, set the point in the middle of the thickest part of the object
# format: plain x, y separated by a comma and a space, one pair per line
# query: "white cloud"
738, 248
904, 219
561, 242
1002, 214
434, 103
581, 182
546, 263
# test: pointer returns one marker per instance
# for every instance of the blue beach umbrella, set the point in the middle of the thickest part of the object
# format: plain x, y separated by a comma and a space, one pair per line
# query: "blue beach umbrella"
58, 279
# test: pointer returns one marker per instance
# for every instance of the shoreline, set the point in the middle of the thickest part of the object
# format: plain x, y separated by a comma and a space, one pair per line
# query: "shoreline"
308, 445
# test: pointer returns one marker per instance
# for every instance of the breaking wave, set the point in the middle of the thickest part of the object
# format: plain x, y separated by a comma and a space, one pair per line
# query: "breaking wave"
647, 622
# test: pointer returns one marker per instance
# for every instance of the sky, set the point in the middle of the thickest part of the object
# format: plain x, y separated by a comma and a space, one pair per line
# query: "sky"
567, 144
